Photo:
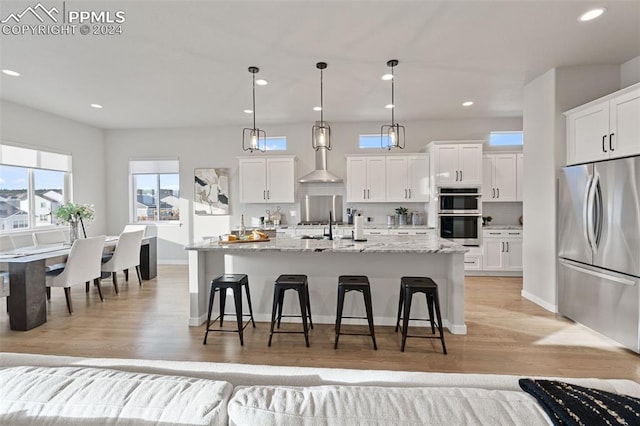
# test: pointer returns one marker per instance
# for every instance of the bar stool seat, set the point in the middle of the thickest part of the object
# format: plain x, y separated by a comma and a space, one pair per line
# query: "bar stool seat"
359, 283
300, 284
221, 284
409, 286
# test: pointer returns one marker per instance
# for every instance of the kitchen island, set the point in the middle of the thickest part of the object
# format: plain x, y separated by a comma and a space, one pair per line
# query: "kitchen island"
384, 259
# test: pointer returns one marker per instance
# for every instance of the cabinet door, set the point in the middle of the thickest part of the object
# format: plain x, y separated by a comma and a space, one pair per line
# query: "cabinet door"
519, 176
513, 254
397, 185
280, 180
504, 177
488, 188
253, 185
624, 123
376, 178
588, 134
470, 163
492, 256
418, 178
446, 162
356, 179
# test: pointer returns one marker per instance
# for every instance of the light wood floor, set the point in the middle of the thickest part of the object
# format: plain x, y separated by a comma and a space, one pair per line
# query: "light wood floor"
506, 335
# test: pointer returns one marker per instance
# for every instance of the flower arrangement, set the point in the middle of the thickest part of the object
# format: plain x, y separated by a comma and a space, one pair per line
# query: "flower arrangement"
73, 213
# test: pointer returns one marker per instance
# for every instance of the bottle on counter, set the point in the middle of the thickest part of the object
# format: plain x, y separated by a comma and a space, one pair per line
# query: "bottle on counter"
243, 229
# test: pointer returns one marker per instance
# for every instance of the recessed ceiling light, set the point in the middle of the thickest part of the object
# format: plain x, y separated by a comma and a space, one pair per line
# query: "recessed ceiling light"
317, 108
248, 111
389, 106
592, 14
98, 106
387, 77
11, 73
261, 82
467, 103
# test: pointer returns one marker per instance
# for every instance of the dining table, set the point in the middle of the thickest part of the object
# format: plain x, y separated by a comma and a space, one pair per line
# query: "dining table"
27, 268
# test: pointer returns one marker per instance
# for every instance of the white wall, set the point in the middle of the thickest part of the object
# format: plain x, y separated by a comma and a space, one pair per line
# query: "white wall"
220, 147
26, 126
630, 72
545, 100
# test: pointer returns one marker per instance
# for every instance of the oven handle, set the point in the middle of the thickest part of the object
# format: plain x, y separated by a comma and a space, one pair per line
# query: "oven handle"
466, 194
461, 214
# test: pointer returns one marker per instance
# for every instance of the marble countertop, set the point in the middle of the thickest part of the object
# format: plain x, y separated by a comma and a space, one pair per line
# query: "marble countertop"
501, 227
346, 226
429, 243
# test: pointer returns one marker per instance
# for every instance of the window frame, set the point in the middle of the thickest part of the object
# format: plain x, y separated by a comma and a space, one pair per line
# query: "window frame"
133, 196
286, 144
378, 136
504, 132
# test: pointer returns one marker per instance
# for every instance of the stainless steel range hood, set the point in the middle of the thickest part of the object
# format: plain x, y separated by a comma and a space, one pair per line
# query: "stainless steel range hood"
320, 174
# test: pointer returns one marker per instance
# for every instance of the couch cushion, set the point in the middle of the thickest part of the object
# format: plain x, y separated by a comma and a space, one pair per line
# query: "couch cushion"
348, 405
81, 395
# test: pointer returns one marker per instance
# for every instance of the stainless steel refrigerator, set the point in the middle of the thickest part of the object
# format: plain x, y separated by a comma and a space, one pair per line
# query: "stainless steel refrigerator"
599, 247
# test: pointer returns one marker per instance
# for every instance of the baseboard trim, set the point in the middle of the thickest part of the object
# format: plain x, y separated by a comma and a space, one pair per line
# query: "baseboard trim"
540, 302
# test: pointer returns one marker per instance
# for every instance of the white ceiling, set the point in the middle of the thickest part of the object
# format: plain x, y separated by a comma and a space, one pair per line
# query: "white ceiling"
184, 63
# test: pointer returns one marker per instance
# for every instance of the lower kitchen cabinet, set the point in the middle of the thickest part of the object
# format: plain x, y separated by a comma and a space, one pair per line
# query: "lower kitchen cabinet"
473, 259
502, 250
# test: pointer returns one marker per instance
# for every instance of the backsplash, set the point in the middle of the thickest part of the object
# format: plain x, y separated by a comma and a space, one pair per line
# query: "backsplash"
503, 213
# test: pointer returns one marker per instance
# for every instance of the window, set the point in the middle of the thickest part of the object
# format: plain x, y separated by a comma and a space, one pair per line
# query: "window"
276, 143
506, 138
373, 141
156, 190
32, 186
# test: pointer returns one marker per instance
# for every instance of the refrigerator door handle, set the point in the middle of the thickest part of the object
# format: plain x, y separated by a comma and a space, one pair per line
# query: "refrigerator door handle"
589, 217
589, 270
599, 212
585, 214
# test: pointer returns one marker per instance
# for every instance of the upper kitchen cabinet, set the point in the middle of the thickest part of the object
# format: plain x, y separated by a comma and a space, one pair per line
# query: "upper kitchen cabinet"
408, 178
456, 163
606, 128
500, 177
366, 179
267, 179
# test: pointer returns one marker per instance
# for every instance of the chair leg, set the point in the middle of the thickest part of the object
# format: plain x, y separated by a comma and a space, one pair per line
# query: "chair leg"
246, 289
400, 302
369, 309
114, 277
139, 275
8, 303
86, 287
274, 310
308, 305
437, 303
302, 297
126, 275
211, 297
430, 310
280, 303
339, 307
97, 283
237, 298
223, 302
67, 295
49, 293
405, 318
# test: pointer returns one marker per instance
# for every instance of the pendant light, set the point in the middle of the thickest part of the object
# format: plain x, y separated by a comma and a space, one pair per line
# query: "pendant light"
254, 139
393, 133
321, 132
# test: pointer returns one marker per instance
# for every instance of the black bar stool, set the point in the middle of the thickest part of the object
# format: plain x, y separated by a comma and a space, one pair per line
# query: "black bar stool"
359, 283
301, 285
221, 284
409, 286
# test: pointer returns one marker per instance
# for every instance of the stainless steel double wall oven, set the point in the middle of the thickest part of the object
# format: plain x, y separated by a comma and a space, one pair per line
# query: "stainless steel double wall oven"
460, 215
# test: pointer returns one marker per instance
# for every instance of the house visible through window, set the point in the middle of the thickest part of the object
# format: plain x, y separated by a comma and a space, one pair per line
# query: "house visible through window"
155, 190
276, 143
32, 186
506, 138
373, 141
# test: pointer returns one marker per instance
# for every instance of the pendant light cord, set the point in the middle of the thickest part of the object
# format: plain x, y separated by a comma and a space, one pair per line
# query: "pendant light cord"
321, 101
254, 100
393, 103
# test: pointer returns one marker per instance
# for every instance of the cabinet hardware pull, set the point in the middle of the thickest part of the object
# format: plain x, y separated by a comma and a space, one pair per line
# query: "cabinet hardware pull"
470, 263
604, 149
264, 194
507, 243
460, 175
409, 193
456, 175
493, 195
405, 193
502, 246
611, 142
494, 233
498, 192
268, 194
368, 194
364, 194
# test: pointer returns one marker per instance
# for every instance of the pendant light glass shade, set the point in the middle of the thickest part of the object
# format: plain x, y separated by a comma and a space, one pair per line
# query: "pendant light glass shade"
392, 135
321, 132
254, 139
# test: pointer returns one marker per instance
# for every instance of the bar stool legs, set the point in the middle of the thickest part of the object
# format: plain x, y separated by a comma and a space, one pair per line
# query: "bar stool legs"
221, 284
301, 285
359, 283
409, 286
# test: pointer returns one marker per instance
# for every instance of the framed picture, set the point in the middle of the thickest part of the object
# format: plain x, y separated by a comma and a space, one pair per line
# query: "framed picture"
211, 193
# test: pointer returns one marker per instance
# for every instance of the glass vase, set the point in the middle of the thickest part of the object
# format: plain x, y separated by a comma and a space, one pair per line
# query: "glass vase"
73, 232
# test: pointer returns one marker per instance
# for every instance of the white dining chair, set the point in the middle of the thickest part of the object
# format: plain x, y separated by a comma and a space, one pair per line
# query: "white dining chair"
83, 264
125, 256
131, 228
44, 238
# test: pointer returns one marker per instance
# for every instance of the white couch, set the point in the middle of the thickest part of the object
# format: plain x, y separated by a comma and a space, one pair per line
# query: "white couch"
67, 390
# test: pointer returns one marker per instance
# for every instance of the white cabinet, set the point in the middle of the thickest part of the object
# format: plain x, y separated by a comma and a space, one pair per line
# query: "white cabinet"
605, 128
401, 231
499, 181
473, 259
366, 179
502, 250
267, 180
456, 164
519, 177
376, 231
407, 178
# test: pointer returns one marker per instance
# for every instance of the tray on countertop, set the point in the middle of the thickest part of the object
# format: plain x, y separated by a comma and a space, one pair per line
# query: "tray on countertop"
243, 241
